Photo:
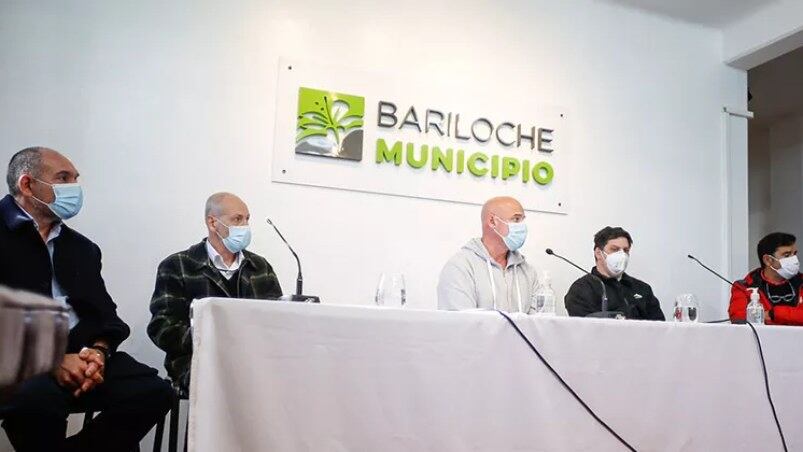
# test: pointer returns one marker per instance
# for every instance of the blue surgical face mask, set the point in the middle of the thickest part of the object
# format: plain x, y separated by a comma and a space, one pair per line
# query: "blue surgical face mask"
68, 199
516, 234
239, 237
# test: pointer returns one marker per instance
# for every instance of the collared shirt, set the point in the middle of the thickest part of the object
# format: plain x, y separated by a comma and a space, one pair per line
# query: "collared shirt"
56, 292
217, 260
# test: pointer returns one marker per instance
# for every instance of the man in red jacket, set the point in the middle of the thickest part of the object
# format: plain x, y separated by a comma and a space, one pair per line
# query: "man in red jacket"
779, 283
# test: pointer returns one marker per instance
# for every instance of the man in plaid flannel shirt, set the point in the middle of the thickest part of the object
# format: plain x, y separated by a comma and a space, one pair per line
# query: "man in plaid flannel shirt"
218, 266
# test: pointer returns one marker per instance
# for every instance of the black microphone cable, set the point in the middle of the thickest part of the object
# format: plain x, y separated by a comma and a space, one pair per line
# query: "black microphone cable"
563, 382
767, 386
760, 351
766, 377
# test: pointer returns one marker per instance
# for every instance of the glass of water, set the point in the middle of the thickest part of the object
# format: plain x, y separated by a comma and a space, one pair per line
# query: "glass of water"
391, 291
686, 308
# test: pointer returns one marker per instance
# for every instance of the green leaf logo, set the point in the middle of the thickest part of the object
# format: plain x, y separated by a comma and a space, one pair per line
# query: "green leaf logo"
329, 124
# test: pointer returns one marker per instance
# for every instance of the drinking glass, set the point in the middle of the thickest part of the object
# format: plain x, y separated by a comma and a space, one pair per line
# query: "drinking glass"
391, 291
686, 308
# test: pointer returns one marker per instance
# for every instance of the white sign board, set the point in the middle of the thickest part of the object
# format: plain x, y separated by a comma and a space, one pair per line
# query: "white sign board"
367, 132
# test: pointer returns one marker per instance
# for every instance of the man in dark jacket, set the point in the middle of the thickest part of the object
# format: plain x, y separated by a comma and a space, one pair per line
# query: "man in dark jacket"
218, 266
625, 293
41, 254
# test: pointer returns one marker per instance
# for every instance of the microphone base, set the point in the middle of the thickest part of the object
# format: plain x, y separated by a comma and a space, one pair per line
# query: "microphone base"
607, 315
300, 298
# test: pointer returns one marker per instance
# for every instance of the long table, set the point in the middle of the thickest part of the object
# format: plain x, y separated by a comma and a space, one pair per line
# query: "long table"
278, 376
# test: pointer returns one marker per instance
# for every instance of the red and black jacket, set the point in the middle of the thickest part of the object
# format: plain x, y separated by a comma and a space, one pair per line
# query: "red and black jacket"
783, 310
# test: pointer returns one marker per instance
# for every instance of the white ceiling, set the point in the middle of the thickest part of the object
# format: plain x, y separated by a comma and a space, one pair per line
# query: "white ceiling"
712, 13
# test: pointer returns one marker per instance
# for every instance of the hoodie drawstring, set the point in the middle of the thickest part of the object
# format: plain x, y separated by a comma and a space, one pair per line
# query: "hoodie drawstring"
515, 281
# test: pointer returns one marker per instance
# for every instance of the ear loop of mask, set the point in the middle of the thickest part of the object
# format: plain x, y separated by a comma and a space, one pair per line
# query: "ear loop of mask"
19, 181
507, 223
605, 259
224, 224
781, 264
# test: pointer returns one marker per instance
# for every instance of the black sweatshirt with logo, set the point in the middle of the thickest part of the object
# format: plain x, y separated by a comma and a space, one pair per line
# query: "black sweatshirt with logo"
629, 295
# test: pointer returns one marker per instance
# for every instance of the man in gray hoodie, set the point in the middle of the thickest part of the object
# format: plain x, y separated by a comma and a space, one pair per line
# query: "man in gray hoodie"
489, 272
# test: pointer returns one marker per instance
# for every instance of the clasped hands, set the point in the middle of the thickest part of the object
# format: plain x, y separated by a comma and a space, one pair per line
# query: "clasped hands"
81, 372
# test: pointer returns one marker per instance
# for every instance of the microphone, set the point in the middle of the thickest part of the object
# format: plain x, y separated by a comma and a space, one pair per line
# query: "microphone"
730, 283
604, 313
299, 279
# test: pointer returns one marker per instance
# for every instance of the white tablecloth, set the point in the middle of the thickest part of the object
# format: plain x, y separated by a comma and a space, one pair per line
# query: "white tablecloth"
298, 377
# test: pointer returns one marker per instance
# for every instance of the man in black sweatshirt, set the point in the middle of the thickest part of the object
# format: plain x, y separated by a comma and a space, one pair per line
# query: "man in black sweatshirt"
625, 294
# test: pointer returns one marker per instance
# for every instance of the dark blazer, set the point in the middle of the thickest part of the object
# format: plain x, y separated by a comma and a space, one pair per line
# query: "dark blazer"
189, 275
629, 295
25, 264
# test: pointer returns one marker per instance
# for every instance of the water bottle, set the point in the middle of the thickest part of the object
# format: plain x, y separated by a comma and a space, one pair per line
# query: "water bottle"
755, 311
543, 300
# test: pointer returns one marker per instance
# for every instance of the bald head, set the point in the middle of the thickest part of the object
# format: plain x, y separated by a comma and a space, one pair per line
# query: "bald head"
504, 207
225, 204
496, 213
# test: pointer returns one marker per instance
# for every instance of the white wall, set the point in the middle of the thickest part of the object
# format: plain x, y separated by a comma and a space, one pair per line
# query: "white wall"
161, 103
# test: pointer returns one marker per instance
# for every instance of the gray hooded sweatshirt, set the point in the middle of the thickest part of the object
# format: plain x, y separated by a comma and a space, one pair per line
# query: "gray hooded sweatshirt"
473, 280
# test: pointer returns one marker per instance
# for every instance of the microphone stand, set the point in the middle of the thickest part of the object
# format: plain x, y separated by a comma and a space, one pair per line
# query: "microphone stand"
604, 313
299, 278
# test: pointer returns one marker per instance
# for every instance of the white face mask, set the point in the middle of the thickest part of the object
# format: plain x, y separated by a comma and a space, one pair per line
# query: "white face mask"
616, 262
790, 267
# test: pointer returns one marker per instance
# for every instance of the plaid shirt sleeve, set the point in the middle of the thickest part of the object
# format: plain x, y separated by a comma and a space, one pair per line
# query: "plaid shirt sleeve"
169, 327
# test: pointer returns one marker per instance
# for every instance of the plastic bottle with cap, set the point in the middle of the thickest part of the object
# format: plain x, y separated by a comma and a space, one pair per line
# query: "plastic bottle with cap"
755, 311
543, 301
